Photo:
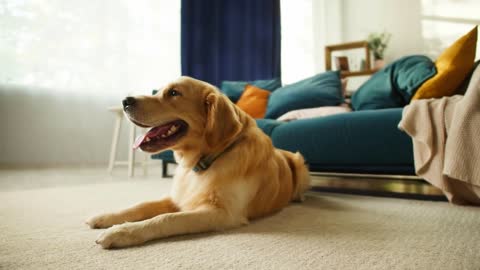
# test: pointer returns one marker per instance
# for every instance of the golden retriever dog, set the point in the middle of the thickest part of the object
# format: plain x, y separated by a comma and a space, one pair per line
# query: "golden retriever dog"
228, 170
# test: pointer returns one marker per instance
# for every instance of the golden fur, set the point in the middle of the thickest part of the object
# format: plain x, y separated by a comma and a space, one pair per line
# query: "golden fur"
249, 180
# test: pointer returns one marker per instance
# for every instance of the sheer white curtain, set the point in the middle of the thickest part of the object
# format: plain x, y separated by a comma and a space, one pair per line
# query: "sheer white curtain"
307, 27
104, 47
63, 62
298, 50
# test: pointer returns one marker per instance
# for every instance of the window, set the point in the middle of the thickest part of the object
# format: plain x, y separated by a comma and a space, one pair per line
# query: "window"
444, 21
297, 40
109, 47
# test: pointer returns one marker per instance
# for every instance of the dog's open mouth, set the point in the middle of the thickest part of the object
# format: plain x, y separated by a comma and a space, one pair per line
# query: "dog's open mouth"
161, 137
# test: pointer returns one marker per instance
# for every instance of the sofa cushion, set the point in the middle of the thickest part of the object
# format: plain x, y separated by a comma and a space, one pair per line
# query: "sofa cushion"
314, 112
254, 101
394, 85
268, 125
364, 141
410, 73
234, 89
323, 89
453, 66
165, 156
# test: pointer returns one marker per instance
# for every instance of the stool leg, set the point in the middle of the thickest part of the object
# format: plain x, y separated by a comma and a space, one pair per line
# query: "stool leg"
145, 163
146, 157
113, 149
131, 151
164, 169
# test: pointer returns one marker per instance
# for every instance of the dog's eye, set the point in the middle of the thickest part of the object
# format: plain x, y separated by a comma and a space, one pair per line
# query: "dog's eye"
173, 93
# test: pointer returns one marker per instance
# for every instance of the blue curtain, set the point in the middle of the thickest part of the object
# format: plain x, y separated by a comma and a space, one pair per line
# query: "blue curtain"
230, 39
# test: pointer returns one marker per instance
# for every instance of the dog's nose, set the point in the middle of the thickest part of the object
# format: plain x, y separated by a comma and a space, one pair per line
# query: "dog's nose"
128, 101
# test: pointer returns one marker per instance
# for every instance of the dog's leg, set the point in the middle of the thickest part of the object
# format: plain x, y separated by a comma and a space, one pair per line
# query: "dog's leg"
130, 234
139, 212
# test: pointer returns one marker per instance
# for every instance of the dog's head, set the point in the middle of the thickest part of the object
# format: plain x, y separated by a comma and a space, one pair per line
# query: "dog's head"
186, 113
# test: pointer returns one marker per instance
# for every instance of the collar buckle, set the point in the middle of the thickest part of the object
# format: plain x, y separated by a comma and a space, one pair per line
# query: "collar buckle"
202, 165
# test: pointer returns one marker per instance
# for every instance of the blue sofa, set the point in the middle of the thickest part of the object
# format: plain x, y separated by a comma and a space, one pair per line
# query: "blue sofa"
358, 142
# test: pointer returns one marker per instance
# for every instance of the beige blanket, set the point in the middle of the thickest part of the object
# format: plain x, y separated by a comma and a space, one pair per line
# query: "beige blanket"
446, 142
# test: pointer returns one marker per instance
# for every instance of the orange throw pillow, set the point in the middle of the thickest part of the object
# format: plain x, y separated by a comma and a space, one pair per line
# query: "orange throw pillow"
254, 101
453, 65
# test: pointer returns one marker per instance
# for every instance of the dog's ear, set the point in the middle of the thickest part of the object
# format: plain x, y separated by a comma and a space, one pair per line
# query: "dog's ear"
223, 122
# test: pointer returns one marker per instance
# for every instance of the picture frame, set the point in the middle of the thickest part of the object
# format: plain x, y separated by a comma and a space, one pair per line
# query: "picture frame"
341, 63
365, 69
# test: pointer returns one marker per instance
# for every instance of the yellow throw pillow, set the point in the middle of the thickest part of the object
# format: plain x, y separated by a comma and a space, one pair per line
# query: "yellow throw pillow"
452, 65
254, 101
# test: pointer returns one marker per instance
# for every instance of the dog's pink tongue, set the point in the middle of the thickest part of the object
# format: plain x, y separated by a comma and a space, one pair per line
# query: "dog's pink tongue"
152, 133
139, 140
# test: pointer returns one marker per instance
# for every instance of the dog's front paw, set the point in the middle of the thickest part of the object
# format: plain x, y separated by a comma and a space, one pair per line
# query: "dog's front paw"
119, 236
101, 221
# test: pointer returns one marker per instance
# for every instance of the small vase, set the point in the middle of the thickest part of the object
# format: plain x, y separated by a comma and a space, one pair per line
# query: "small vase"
379, 64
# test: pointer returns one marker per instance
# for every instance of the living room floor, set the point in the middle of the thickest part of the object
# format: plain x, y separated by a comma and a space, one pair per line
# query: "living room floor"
43, 210
45, 177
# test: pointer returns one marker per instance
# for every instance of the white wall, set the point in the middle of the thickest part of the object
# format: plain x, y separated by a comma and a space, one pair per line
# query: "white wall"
417, 26
327, 28
400, 18
40, 127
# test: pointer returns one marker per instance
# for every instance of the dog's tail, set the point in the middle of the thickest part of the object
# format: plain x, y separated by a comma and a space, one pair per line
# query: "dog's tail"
300, 175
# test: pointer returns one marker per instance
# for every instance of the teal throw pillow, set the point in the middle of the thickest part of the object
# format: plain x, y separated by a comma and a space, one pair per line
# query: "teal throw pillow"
234, 89
394, 85
323, 89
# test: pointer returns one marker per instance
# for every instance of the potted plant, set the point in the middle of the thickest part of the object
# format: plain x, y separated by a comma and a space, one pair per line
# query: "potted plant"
377, 42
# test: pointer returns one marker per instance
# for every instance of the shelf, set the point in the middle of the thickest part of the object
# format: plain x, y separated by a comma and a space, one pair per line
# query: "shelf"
344, 74
348, 46
363, 44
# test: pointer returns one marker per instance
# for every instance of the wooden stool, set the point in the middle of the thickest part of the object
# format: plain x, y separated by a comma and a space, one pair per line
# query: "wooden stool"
118, 111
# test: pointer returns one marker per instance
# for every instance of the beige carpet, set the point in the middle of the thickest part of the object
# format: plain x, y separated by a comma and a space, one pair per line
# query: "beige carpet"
43, 228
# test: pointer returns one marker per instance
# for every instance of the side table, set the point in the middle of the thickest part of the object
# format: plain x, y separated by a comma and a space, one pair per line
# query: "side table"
118, 111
